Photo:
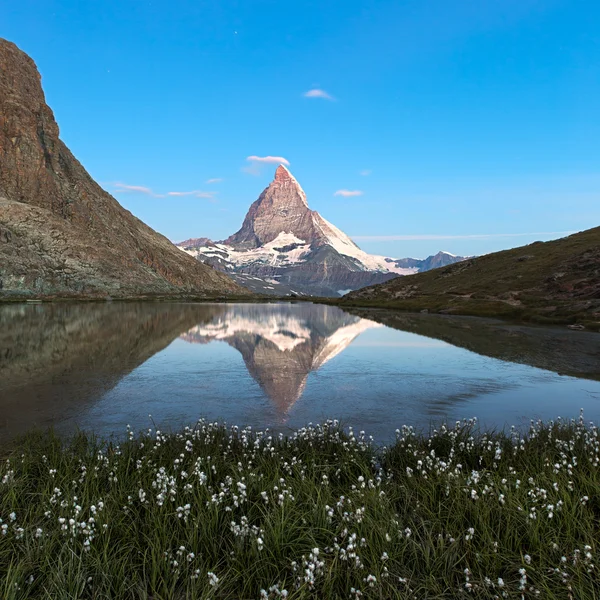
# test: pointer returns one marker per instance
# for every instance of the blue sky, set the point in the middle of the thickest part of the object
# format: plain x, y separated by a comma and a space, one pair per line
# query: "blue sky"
452, 118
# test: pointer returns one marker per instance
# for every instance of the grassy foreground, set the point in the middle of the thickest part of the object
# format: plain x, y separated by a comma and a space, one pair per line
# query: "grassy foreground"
213, 512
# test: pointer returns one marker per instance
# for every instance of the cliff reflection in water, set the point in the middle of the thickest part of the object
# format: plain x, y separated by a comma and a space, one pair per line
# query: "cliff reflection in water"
282, 344
57, 359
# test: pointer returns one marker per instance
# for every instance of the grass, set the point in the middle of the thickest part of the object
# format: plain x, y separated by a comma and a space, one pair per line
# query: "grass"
216, 512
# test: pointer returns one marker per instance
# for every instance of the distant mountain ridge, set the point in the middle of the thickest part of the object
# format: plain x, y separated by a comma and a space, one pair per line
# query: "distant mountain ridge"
285, 243
61, 234
441, 259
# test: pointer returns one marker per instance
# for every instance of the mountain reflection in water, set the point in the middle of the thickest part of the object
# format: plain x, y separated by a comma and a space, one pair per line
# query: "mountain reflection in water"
282, 344
101, 366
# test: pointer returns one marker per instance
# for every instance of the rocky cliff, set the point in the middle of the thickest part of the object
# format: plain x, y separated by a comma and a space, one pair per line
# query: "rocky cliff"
61, 234
282, 207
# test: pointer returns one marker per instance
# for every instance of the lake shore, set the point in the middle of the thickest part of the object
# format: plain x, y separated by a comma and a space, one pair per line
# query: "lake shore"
472, 308
232, 513
75, 298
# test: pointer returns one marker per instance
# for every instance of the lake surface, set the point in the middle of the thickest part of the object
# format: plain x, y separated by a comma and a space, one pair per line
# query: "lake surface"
101, 367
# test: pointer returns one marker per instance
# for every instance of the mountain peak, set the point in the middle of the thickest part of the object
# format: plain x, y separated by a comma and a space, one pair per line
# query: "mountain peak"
282, 173
281, 208
284, 179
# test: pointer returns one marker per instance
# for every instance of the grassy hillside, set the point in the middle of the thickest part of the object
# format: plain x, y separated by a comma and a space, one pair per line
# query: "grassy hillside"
548, 282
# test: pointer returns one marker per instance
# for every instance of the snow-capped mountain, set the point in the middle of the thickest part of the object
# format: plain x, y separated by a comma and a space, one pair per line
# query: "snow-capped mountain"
287, 247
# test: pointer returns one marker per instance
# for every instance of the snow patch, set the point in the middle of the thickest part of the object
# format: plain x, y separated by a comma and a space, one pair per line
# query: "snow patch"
285, 331
284, 239
344, 245
267, 255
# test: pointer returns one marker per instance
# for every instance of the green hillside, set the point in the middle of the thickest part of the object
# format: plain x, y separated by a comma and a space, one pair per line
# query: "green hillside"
546, 282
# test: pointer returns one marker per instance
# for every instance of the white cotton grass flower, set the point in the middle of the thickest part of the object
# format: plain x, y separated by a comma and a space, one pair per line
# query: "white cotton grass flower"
199, 472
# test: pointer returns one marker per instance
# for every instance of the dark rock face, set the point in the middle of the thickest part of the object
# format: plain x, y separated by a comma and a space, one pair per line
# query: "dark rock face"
60, 233
196, 242
325, 273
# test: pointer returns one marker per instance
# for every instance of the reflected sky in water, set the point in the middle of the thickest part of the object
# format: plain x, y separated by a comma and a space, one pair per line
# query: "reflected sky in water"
101, 367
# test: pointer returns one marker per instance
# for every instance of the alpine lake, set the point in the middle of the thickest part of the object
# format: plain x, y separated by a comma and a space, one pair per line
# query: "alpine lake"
101, 367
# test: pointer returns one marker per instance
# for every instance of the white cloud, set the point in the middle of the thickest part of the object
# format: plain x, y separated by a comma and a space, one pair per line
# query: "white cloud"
257, 162
269, 160
214, 180
317, 93
365, 172
122, 188
477, 236
348, 193
125, 188
195, 193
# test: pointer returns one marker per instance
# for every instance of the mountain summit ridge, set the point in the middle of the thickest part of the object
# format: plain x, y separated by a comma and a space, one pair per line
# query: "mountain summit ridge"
283, 242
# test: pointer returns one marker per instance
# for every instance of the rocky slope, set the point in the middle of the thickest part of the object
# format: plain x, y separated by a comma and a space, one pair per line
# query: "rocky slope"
284, 243
60, 233
557, 281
